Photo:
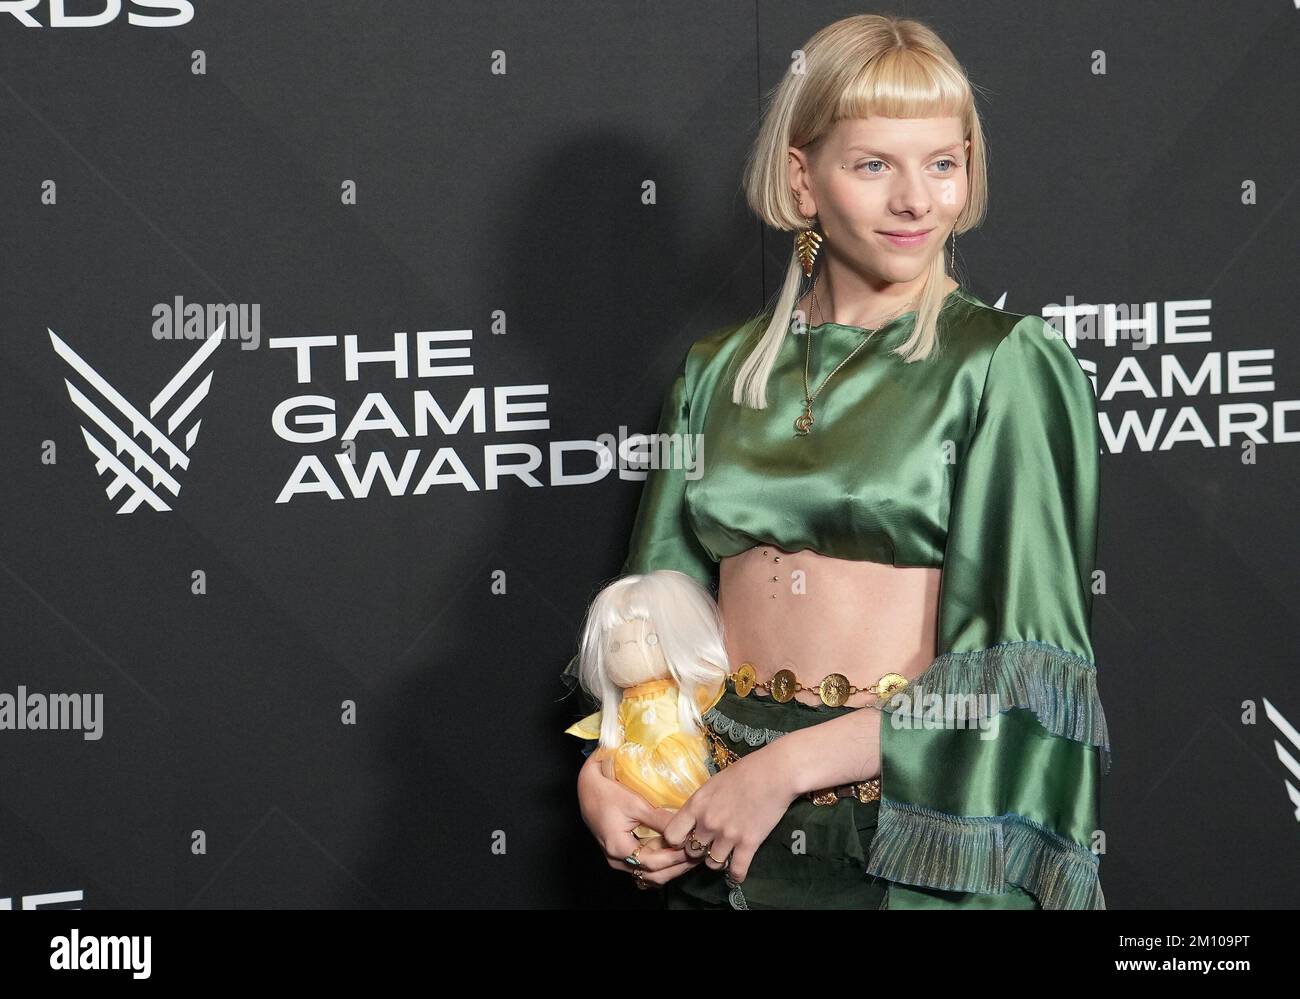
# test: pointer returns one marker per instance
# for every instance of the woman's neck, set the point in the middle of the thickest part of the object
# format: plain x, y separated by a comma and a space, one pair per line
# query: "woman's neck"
852, 302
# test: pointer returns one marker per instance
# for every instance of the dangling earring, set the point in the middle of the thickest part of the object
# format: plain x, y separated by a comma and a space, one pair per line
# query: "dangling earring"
806, 244
952, 261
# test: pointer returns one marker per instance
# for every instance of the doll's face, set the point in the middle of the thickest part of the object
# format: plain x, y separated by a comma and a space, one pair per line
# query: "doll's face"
633, 653
869, 176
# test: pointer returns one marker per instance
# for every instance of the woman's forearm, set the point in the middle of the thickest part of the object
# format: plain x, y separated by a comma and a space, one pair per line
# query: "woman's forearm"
843, 750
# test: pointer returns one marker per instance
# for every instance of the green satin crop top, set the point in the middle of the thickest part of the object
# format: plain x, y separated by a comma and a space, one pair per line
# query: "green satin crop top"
869, 482
985, 454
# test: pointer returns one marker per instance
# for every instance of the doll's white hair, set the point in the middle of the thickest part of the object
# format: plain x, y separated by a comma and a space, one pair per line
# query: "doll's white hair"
689, 628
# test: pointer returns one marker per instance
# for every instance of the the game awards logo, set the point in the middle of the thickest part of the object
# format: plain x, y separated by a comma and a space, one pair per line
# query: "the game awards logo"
129, 446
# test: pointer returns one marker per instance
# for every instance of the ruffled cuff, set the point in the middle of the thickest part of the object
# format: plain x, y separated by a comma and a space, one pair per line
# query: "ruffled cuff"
1059, 687
914, 845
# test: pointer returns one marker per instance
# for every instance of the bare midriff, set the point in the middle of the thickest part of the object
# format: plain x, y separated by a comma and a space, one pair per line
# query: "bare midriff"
814, 615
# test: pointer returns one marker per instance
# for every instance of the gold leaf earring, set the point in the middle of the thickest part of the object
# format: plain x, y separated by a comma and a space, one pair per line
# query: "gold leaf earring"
806, 243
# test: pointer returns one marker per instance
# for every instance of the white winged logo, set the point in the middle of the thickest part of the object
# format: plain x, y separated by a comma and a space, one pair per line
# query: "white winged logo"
1283, 755
109, 442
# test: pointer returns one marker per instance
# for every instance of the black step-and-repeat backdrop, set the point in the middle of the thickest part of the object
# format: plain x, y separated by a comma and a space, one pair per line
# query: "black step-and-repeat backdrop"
286, 609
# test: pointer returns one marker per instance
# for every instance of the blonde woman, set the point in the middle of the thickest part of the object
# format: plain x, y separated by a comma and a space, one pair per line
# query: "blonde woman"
898, 508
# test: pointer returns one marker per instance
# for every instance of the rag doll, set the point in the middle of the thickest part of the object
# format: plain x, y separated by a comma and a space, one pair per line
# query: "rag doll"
652, 655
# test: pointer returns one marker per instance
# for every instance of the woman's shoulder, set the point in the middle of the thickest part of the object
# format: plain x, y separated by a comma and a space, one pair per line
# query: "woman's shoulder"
715, 349
977, 328
726, 339
992, 336
1027, 363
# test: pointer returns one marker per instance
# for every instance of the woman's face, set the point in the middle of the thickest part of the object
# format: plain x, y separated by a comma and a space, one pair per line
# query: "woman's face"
871, 176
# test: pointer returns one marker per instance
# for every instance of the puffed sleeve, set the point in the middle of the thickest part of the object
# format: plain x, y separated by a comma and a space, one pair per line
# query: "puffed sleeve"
661, 538
1008, 798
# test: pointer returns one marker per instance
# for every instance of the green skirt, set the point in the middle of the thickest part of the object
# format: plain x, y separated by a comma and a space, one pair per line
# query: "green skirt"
816, 855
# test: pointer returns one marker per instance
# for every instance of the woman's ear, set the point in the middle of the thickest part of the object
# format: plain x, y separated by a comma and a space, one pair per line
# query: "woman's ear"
796, 175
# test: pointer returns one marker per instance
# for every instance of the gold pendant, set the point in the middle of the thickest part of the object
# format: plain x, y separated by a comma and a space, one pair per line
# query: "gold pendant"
723, 757
805, 421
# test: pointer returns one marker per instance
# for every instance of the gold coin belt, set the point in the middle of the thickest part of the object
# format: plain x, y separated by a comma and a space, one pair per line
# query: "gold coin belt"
834, 688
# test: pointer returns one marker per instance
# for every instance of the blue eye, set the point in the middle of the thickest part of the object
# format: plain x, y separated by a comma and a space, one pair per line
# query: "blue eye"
946, 159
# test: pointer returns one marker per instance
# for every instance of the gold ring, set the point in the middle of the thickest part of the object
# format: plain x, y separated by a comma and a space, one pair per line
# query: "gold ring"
632, 857
640, 879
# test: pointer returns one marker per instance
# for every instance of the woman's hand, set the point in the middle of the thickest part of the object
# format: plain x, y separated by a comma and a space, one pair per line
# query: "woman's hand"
732, 813
612, 811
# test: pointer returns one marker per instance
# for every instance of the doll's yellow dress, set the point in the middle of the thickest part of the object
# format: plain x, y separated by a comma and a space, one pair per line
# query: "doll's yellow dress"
656, 760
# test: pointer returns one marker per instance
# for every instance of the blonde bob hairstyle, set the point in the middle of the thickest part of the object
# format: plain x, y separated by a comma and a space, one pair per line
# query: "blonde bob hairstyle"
857, 67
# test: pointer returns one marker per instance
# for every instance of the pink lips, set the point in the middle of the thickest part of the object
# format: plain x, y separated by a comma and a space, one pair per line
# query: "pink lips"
901, 237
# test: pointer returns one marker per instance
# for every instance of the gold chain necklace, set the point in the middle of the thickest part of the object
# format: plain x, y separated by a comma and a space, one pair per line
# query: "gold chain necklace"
803, 423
